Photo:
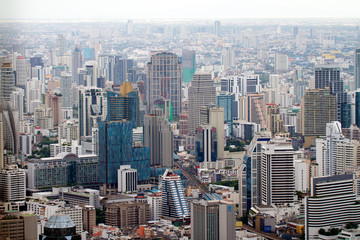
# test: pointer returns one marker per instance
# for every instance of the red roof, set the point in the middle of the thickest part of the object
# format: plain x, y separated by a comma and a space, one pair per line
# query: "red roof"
20, 57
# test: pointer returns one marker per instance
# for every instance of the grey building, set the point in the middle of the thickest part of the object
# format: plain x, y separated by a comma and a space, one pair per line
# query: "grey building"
201, 93
164, 79
65, 90
213, 220
159, 138
357, 68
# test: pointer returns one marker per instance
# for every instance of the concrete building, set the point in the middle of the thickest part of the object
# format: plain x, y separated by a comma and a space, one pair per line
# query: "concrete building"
242, 84
89, 197
274, 123
12, 184
127, 179
302, 177
75, 213
255, 109
22, 65
277, 172
201, 93
357, 68
281, 63
88, 218
154, 202
33, 90
164, 79
7, 82
318, 107
332, 204
65, 90
347, 156
127, 215
53, 101
213, 220
159, 138
206, 144
18, 226
43, 117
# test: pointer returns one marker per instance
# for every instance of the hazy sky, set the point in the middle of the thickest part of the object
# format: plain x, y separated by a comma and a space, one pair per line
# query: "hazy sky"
155, 9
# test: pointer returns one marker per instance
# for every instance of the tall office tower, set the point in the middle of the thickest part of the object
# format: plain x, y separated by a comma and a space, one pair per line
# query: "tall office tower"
228, 57
122, 67
124, 105
213, 220
65, 90
299, 84
217, 28
281, 63
214, 116
274, 123
159, 138
17, 102
127, 215
53, 101
92, 108
247, 82
116, 148
21, 71
332, 204
12, 184
255, 109
9, 120
173, 202
329, 76
326, 149
277, 172
127, 179
296, 31
206, 144
357, 68
60, 45
188, 60
76, 64
2, 164
201, 93
129, 27
318, 107
90, 75
164, 79
226, 101
33, 92
7, 82
347, 156
88, 54
183, 124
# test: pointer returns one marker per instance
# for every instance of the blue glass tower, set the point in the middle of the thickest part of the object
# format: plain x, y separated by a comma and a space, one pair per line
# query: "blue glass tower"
225, 100
116, 148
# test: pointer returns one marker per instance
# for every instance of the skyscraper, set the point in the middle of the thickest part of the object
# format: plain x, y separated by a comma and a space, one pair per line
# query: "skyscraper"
255, 109
217, 28
318, 107
213, 220
21, 71
274, 123
65, 90
12, 184
116, 148
188, 65
357, 68
226, 101
9, 120
7, 82
121, 69
201, 93
206, 144
277, 173
281, 63
173, 202
164, 79
76, 64
159, 138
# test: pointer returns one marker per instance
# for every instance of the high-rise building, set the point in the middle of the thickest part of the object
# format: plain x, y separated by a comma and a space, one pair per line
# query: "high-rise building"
347, 156
242, 84
228, 57
116, 149
226, 101
12, 184
7, 82
332, 204
281, 63
60, 45
21, 71
124, 105
18, 226
121, 68
65, 90
274, 123
2, 164
164, 79
201, 93
214, 116
53, 101
127, 179
76, 64
127, 215
213, 220
255, 109
159, 138
318, 108
329, 76
357, 68
129, 27
277, 172
88, 218
9, 119
188, 60
206, 144
217, 28
173, 202
33, 90
92, 109
155, 206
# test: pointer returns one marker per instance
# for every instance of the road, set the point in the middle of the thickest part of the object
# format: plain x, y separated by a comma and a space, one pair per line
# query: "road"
271, 236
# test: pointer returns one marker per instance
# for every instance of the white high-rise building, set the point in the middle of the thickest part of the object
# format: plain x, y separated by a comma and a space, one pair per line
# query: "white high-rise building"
301, 176
155, 206
127, 179
281, 63
347, 156
228, 57
21, 71
33, 92
12, 184
17, 101
277, 172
